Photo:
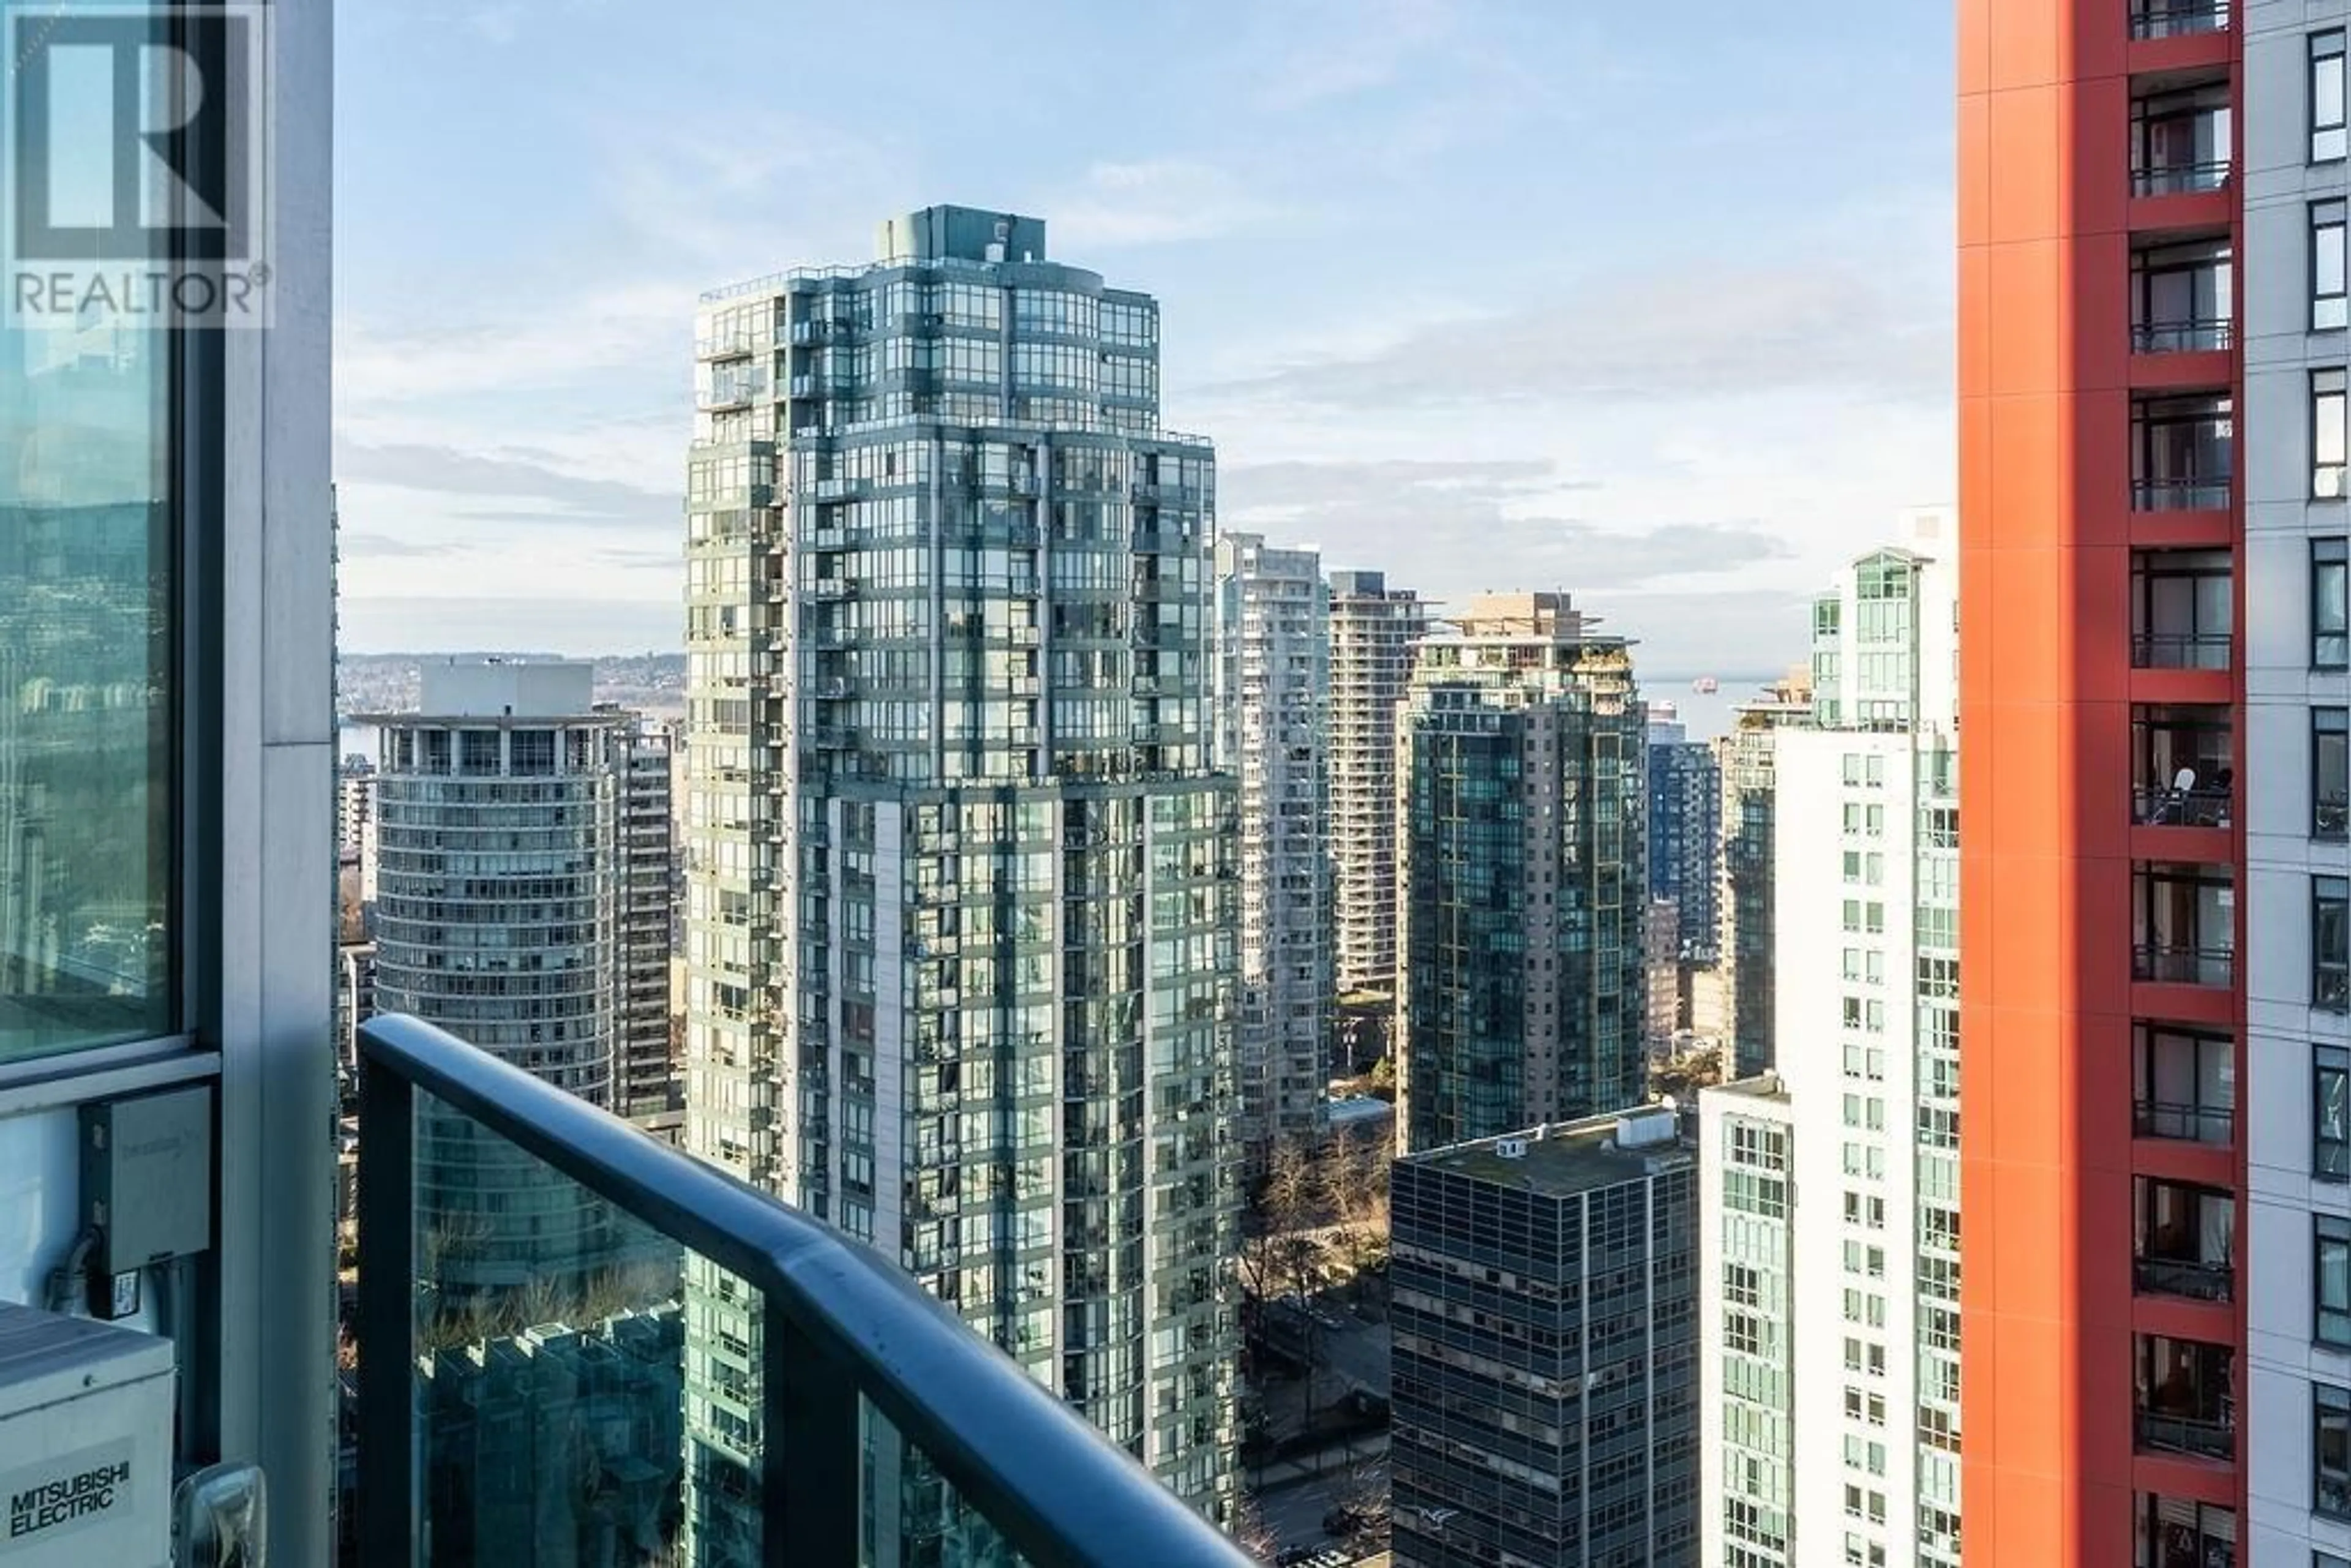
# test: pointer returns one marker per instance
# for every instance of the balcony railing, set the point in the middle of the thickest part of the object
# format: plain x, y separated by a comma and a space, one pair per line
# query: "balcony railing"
2181, 337
2180, 650
2179, 495
2180, 179
2177, 964
2183, 1123
527, 1388
2176, 18
2161, 806
2205, 1438
2180, 1277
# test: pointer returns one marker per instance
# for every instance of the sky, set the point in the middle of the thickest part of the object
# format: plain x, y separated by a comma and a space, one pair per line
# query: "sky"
1650, 303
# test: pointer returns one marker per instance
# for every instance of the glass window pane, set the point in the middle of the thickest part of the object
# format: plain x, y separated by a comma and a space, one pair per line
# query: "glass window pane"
2331, 1115
86, 631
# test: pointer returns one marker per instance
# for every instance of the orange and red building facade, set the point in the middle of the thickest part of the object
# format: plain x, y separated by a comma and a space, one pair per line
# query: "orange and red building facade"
2157, 1290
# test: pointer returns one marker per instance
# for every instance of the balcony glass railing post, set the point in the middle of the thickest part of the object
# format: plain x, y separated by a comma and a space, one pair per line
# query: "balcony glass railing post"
580, 1344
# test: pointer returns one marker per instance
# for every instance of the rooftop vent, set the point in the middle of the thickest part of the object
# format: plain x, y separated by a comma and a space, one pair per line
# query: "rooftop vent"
1640, 1129
1510, 1148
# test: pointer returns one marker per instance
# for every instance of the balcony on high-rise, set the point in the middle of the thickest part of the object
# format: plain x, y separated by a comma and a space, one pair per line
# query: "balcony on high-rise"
2183, 923
694, 1372
2185, 1402
2183, 758
2184, 1086
2179, 139
2183, 609
2183, 297
2183, 452
2184, 1239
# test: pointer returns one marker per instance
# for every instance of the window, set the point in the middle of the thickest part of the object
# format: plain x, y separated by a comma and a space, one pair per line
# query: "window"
2329, 307
87, 582
2327, 432
2328, 1559
2330, 1449
2330, 943
2330, 1279
2330, 1157
2330, 770
2327, 133
2330, 613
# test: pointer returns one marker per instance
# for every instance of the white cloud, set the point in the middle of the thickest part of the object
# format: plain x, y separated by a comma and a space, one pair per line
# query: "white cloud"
496, 24
1158, 202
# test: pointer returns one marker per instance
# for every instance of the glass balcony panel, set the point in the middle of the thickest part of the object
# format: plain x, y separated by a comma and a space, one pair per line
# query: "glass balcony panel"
603, 1352
562, 1414
914, 1515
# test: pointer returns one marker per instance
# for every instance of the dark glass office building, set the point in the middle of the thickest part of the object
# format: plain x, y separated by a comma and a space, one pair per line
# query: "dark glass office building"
1545, 1369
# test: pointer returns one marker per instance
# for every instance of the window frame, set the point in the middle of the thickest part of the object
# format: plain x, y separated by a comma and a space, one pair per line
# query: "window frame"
2330, 312
2330, 1231
2330, 976
2330, 1399
2330, 1062
2330, 415
2330, 720
2330, 139
2330, 555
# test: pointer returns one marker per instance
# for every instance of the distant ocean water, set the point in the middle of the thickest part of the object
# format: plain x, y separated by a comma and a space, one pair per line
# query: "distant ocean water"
1706, 714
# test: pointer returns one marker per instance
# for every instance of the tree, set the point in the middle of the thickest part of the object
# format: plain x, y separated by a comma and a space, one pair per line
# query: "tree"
1250, 1531
1384, 1079
1355, 1174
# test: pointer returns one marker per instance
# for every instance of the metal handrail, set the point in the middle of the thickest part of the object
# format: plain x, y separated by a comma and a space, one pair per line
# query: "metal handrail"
2183, 1123
2182, 964
842, 1321
2180, 179
2204, 1437
2192, 336
2180, 650
2191, 495
2189, 1277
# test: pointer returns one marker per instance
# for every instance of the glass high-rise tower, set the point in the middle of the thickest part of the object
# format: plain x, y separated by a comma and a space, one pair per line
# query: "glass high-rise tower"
961, 915
1273, 712
1522, 885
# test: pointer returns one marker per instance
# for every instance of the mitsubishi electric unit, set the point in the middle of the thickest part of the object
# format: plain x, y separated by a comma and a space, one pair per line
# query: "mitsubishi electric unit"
85, 1443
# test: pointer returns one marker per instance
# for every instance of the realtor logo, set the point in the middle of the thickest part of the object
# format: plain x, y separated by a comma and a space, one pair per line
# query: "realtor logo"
131, 140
